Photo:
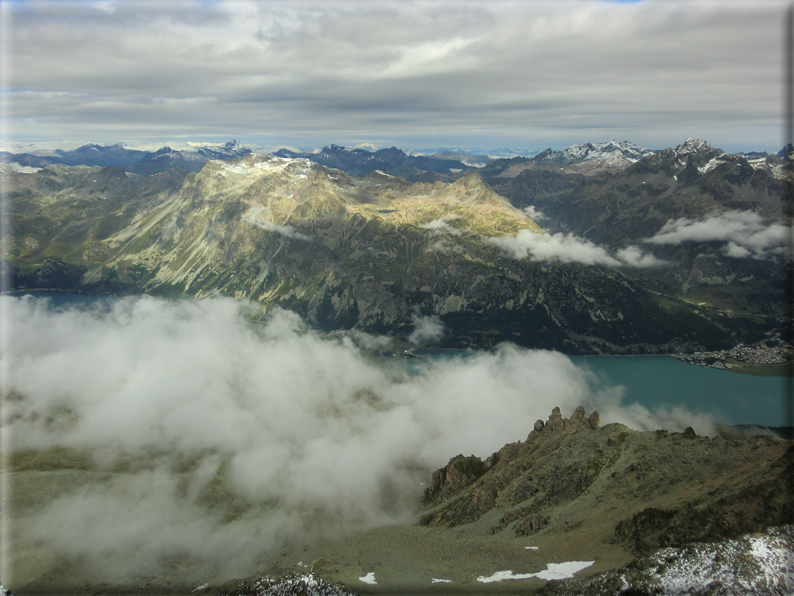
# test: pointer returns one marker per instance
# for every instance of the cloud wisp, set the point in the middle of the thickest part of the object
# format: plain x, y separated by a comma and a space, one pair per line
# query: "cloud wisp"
635, 257
534, 214
441, 226
427, 329
744, 234
569, 248
227, 439
268, 226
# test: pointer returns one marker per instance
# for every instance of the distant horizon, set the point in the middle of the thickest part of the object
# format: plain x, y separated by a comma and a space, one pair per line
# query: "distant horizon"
43, 148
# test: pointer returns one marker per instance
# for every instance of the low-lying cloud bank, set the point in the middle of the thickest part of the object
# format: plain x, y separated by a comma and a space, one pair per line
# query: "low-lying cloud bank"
234, 437
568, 248
745, 234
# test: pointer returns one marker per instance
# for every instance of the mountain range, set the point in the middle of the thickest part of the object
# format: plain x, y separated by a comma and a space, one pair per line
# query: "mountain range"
715, 222
618, 248
587, 158
134, 161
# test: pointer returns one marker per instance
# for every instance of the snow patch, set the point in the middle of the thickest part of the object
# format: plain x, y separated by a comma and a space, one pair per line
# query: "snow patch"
563, 570
713, 163
553, 571
749, 565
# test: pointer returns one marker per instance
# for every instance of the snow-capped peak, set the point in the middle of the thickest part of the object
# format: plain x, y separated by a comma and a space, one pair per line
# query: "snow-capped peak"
612, 153
692, 145
699, 152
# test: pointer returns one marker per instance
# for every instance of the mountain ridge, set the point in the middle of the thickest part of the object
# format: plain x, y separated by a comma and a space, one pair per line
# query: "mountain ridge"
370, 253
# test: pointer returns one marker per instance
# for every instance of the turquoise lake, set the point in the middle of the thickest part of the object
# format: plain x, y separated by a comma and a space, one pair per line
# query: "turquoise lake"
731, 397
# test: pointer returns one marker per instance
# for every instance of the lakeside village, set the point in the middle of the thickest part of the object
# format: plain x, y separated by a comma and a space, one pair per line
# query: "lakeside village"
773, 350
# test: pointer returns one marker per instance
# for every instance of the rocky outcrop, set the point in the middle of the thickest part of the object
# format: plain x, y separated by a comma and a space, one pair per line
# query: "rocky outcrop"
482, 482
558, 424
462, 471
457, 474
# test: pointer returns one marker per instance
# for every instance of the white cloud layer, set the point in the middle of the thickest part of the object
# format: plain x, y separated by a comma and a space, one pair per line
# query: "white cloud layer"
408, 73
234, 437
568, 248
745, 233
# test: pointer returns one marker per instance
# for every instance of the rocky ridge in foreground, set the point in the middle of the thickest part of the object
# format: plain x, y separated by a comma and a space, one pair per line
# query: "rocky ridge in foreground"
759, 564
647, 513
644, 490
639, 512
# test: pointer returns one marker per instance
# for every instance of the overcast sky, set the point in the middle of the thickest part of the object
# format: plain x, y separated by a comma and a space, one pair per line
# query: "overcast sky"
487, 75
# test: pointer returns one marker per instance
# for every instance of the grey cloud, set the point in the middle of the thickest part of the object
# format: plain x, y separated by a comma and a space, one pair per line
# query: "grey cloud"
16, 167
736, 251
280, 424
520, 72
563, 248
745, 233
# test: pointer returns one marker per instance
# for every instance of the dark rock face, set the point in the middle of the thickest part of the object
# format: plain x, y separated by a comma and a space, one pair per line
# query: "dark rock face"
531, 525
458, 473
53, 273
